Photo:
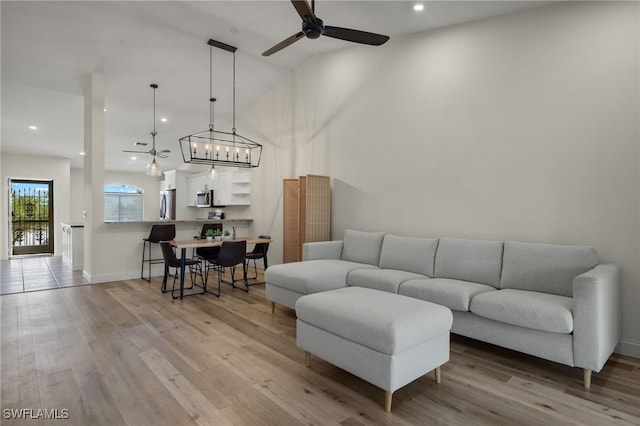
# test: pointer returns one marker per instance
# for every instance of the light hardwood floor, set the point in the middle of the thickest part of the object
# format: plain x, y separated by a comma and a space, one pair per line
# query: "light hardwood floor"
123, 353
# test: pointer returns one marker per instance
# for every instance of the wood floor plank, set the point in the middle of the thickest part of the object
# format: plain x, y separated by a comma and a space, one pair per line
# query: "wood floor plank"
247, 406
200, 409
178, 334
124, 353
562, 402
20, 386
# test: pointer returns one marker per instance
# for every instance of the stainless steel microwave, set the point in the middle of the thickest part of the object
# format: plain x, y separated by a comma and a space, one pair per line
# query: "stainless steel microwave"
204, 199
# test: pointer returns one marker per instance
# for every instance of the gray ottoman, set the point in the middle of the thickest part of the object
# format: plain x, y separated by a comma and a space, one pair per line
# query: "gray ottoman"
386, 339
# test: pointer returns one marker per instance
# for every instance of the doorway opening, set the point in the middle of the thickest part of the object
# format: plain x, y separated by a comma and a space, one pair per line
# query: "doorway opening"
31, 217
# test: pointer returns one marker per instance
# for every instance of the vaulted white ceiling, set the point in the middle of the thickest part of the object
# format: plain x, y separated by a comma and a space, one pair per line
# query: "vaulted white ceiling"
50, 47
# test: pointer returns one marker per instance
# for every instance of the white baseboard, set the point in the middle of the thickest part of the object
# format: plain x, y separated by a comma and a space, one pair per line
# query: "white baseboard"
628, 348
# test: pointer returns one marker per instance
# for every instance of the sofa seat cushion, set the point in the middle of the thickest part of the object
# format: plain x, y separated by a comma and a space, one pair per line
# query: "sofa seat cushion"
312, 276
409, 254
385, 322
380, 279
539, 311
454, 294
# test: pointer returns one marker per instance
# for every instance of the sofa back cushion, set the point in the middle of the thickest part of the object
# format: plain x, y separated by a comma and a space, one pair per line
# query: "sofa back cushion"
478, 261
409, 254
546, 268
362, 247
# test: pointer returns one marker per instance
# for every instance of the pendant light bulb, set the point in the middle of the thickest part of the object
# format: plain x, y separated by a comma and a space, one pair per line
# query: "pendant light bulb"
212, 172
153, 168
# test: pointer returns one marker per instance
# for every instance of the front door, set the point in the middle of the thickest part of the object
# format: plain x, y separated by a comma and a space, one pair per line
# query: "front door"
31, 217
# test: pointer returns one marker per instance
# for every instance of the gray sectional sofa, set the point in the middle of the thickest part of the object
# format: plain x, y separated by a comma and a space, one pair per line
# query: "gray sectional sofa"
552, 301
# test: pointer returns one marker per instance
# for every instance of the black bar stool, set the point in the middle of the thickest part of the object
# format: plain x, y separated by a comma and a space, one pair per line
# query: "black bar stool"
164, 232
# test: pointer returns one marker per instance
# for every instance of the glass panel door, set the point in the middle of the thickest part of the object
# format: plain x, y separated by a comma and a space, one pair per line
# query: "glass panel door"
31, 217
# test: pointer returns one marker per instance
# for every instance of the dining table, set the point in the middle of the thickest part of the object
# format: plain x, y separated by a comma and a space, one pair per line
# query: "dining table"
195, 243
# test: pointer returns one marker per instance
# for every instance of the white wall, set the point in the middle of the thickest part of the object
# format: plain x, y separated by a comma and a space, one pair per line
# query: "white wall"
37, 168
520, 127
150, 186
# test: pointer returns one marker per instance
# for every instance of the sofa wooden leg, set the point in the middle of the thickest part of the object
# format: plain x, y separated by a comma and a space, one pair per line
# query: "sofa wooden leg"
307, 358
273, 307
438, 375
387, 401
586, 373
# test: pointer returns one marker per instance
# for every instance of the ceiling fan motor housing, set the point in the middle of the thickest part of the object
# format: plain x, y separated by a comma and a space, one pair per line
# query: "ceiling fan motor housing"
313, 28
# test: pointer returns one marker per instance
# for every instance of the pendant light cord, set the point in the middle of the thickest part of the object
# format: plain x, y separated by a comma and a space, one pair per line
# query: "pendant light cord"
234, 93
154, 111
211, 98
154, 133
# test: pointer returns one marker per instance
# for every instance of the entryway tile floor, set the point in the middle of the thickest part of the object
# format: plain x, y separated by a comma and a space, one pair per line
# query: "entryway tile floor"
37, 273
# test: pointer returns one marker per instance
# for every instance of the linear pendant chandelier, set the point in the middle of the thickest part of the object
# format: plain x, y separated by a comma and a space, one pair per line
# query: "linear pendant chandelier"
215, 147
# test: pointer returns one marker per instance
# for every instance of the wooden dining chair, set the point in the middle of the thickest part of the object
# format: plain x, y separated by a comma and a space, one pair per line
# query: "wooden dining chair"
232, 253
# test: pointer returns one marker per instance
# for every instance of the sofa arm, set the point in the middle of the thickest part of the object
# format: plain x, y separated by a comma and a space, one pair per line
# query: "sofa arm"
597, 315
322, 250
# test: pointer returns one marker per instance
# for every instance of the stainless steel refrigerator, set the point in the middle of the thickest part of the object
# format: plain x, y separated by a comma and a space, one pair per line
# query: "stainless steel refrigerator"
168, 205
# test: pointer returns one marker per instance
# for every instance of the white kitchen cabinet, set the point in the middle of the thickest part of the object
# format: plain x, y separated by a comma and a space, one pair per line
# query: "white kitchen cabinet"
232, 187
164, 185
198, 183
169, 180
222, 189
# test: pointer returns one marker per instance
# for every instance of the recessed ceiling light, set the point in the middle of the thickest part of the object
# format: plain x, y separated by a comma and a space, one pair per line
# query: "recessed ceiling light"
33, 127
105, 110
133, 158
418, 7
163, 119
82, 153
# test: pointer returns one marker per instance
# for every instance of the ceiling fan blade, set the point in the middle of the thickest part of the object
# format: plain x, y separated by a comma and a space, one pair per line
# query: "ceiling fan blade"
137, 152
284, 43
356, 36
303, 9
164, 150
161, 155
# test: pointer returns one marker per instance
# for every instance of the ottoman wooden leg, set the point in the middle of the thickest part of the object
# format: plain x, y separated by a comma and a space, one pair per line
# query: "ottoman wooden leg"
438, 375
387, 401
307, 357
273, 307
586, 374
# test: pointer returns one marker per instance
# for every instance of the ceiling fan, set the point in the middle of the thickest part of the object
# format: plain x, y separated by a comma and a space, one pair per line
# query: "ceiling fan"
313, 27
155, 169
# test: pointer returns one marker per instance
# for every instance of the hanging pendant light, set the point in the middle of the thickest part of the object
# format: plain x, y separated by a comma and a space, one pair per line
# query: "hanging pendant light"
153, 168
215, 147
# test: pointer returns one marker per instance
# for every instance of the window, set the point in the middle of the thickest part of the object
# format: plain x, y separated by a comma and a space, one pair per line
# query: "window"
122, 203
